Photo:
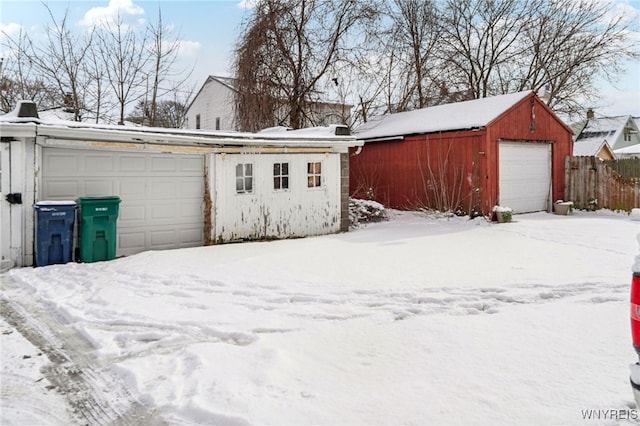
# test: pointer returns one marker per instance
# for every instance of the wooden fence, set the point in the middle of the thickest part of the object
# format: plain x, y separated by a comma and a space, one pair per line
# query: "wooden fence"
626, 167
591, 184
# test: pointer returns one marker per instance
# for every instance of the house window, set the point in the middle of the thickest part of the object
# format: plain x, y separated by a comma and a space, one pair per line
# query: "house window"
244, 178
217, 123
197, 121
281, 176
314, 174
627, 135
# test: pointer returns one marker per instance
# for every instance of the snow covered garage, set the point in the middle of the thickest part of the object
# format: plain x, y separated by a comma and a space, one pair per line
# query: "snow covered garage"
178, 188
466, 156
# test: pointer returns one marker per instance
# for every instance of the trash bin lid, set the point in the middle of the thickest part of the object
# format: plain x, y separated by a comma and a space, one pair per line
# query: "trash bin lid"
56, 203
112, 198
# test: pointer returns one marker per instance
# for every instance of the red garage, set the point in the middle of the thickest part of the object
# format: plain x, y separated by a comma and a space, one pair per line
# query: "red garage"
468, 156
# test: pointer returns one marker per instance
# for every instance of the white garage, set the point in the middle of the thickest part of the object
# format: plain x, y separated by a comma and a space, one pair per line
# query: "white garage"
178, 188
525, 175
162, 194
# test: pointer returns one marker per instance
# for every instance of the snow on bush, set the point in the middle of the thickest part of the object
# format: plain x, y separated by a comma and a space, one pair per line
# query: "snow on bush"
366, 211
502, 209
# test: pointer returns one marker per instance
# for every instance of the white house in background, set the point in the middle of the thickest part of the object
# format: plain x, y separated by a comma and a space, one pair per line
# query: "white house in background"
632, 151
593, 134
179, 188
213, 108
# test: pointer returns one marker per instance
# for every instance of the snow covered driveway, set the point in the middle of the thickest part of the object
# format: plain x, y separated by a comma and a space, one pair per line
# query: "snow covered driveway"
419, 320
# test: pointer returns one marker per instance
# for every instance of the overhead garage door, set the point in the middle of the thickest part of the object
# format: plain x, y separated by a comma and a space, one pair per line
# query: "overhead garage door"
162, 194
525, 176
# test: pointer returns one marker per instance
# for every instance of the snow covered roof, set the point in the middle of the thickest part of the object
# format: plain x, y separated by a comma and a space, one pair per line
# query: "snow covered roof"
13, 125
606, 124
608, 128
629, 150
589, 146
229, 82
455, 116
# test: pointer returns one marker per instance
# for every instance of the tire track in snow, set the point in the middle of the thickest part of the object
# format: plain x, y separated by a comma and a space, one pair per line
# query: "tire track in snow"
351, 303
95, 397
431, 301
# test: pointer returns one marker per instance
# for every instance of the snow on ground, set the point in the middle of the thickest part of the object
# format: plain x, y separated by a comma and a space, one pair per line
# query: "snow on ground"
27, 399
418, 320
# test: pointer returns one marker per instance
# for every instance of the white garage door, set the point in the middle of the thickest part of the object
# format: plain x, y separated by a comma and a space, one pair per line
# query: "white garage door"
525, 176
162, 194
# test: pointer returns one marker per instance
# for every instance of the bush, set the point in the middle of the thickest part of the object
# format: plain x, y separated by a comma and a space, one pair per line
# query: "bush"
366, 211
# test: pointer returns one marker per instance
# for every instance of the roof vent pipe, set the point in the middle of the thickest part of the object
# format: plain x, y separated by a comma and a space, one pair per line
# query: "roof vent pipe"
26, 109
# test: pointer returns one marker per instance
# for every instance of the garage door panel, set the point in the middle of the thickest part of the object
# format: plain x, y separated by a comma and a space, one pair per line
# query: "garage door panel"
161, 194
190, 210
190, 165
98, 188
99, 164
163, 164
192, 188
131, 213
60, 164
163, 238
161, 189
164, 211
61, 189
131, 241
132, 188
191, 237
130, 163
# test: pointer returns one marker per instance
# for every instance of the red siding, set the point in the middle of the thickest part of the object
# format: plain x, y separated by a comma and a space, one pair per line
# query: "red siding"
411, 173
408, 173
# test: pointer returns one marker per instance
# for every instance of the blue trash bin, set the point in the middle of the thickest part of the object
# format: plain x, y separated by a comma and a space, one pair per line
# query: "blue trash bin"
54, 231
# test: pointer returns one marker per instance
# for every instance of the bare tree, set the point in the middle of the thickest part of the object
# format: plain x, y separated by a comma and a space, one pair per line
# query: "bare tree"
569, 44
416, 36
163, 52
480, 37
286, 49
98, 101
453, 50
123, 52
58, 59
17, 82
168, 113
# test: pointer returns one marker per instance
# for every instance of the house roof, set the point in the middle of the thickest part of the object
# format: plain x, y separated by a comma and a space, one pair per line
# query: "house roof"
229, 82
603, 128
472, 114
590, 147
629, 150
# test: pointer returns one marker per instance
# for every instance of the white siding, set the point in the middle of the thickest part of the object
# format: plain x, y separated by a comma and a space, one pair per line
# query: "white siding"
18, 159
269, 213
214, 100
5, 217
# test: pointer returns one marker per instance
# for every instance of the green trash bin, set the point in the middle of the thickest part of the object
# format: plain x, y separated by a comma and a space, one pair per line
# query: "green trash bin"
97, 228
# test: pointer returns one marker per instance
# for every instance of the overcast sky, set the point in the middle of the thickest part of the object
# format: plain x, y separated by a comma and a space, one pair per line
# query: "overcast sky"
209, 28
